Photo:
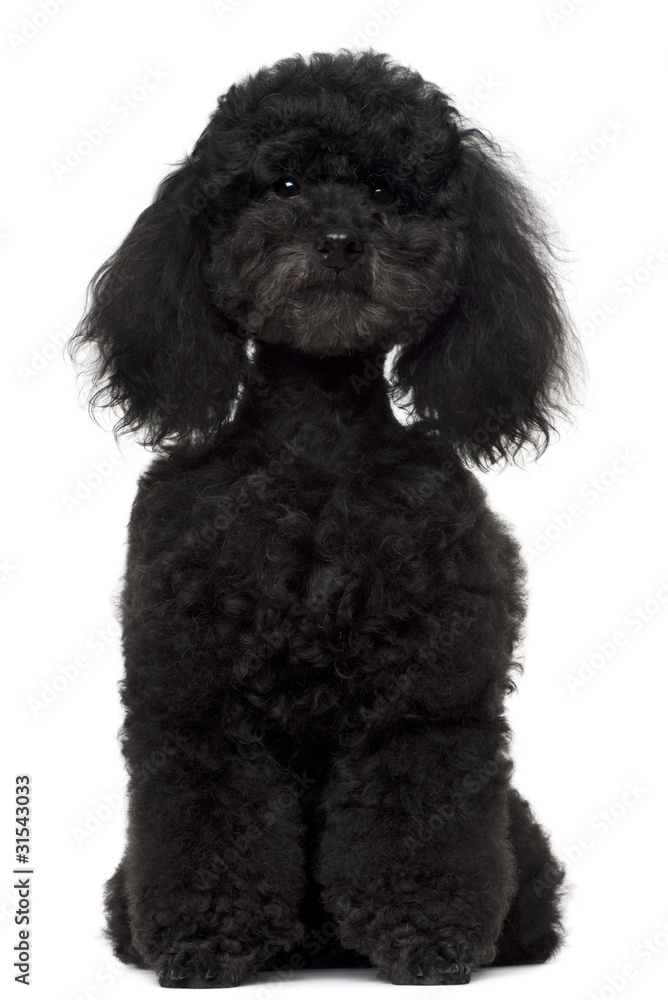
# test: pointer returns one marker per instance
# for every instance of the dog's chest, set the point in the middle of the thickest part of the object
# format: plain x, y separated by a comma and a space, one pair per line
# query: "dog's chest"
329, 564
325, 591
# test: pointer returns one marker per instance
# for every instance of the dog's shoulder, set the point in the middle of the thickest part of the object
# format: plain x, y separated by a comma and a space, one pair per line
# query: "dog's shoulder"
171, 495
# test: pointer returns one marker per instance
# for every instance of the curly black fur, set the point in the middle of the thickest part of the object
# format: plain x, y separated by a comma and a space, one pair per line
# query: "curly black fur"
320, 612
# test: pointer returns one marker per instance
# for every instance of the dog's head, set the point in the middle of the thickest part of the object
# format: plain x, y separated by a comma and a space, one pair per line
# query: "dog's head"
339, 205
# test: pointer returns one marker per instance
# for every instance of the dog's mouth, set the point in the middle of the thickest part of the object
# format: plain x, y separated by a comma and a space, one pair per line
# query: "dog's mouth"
330, 319
335, 290
334, 313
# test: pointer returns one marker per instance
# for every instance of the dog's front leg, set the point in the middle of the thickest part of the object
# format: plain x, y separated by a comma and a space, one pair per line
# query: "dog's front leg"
414, 859
212, 876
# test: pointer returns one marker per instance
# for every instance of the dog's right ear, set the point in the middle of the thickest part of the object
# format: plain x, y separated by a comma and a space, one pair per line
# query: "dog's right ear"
163, 356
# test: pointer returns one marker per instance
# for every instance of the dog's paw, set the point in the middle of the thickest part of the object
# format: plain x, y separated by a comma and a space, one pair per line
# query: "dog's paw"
195, 970
441, 973
427, 966
438, 973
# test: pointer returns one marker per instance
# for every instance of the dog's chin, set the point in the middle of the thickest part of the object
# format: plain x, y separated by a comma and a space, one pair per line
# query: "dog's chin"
326, 323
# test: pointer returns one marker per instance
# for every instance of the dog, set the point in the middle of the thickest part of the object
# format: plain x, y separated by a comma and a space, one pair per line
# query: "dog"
340, 305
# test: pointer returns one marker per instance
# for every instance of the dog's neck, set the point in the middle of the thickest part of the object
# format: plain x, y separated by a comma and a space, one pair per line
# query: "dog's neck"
291, 390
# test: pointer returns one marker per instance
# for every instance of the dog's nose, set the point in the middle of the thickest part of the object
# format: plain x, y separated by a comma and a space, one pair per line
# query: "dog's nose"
339, 249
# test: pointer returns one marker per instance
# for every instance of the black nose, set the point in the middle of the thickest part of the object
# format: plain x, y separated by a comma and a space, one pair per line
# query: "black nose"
339, 249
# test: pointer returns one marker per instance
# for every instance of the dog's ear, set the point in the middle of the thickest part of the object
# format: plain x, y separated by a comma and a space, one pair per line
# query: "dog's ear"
494, 369
163, 356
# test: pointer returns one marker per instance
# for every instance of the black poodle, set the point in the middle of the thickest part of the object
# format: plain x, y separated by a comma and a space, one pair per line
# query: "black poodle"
320, 612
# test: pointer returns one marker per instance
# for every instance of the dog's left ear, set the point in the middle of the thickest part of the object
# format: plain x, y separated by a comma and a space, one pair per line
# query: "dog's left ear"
494, 370
163, 355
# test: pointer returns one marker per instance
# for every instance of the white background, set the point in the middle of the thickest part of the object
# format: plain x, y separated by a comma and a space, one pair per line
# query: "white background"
580, 95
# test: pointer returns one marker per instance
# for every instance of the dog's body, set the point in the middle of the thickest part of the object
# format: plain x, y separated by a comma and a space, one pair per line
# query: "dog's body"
320, 611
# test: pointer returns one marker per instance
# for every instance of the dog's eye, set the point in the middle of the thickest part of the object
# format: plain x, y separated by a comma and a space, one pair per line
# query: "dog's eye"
383, 194
286, 187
